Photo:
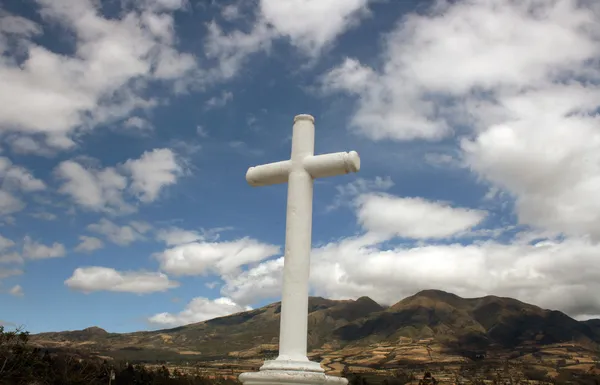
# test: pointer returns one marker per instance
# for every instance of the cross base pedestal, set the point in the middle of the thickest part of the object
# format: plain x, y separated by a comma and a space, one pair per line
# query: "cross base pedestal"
294, 365
289, 377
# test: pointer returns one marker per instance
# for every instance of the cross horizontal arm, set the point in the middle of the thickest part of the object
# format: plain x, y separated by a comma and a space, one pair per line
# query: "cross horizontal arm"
321, 166
268, 174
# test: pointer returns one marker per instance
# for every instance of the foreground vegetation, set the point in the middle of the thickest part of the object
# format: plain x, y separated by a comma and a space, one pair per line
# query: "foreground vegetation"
21, 363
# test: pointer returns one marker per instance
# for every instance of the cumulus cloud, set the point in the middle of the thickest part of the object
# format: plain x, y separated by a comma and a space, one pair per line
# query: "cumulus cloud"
16, 291
14, 180
9, 272
121, 235
5, 243
88, 244
347, 193
7, 256
106, 189
53, 95
11, 257
256, 283
96, 278
116, 61
547, 156
138, 124
532, 123
197, 310
546, 273
309, 25
10, 204
249, 275
36, 250
219, 101
532, 266
153, 171
414, 218
19, 178
93, 189
197, 258
176, 236
312, 25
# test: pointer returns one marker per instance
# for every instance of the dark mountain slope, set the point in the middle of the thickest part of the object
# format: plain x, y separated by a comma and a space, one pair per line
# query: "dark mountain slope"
473, 323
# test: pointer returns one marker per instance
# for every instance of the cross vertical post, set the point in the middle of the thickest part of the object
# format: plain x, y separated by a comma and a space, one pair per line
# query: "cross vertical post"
299, 172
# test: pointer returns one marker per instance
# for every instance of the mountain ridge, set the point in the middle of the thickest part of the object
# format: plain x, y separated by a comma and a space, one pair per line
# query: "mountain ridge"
458, 325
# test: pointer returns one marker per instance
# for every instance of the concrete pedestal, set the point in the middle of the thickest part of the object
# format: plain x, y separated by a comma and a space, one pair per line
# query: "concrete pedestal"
290, 373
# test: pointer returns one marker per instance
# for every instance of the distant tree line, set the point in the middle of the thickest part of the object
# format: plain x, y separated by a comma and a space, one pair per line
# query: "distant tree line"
23, 364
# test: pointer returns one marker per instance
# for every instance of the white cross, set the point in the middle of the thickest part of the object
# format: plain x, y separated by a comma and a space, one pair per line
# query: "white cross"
299, 172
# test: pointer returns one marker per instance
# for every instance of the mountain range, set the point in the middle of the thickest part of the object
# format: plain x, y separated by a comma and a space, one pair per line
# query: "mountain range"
459, 326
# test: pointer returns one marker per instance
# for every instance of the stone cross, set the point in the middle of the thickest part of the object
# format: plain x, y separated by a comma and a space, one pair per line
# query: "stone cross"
299, 172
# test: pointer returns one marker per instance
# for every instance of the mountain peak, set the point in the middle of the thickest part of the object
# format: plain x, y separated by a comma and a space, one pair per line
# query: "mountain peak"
437, 294
95, 330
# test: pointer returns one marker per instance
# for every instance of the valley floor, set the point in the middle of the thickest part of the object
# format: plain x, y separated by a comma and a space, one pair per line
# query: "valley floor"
409, 361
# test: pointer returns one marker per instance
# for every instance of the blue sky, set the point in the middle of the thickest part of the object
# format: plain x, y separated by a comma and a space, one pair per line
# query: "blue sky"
127, 128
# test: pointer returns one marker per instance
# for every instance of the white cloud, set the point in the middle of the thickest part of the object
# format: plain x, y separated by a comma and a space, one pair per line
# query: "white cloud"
347, 193
137, 123
312, 25
470, 38
163, 5
8, 257
36, 250
533, 120
546, 273
152, 172
198, 258
88, 244
9, 203
309, 25
5, 243
12, 257
5, 273
92, 188
95, 278
442, 160
258, 282
104, 189
534, 267
219, 101
414, 218
389, 106
547, 156
16, 291
199, 309
141, 226
231, 12
520, 270
249, 275
231, 50
176, 236
104, 80
121, 235
17, 177
201, 131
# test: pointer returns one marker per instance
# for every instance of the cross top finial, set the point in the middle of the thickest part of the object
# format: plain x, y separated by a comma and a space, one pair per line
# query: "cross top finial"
304, 117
